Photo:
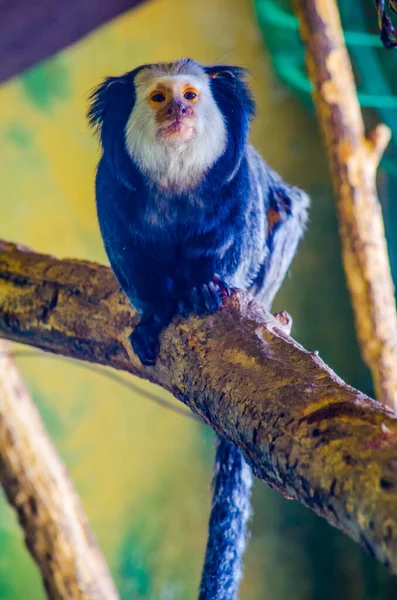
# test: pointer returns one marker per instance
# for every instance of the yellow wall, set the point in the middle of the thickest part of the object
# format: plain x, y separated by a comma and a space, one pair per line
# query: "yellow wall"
143, 472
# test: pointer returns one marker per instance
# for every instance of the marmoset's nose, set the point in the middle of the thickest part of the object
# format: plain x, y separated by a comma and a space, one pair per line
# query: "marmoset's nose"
176, 108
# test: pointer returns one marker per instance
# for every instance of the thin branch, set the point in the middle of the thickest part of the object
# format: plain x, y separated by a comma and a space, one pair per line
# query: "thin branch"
302, 429
354, 160
38, 487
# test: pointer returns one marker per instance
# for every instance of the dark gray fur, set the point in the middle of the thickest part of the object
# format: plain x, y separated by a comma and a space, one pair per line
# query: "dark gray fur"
227, 532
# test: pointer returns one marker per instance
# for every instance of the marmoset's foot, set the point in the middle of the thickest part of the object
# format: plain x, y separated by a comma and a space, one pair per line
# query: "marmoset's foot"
207, 298
145, 338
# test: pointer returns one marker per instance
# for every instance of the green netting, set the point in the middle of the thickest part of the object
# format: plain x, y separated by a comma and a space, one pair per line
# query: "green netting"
375, 67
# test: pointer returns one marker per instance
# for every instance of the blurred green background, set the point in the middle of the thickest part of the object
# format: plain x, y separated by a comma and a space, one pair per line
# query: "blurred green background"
144, 472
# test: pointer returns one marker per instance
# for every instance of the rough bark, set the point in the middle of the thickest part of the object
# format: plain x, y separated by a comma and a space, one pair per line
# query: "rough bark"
38, 487
302, 429
353, 161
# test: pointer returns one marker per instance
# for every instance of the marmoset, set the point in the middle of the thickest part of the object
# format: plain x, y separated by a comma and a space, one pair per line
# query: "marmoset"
189, 210
187, 207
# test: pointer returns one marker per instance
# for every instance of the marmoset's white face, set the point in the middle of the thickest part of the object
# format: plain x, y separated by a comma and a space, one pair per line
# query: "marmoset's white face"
176, 131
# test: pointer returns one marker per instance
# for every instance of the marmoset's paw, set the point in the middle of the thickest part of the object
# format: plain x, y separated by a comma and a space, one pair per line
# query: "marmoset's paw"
224, 289
207, 298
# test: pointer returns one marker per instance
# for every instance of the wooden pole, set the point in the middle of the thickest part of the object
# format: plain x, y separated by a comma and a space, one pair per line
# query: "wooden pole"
353, 159
38, 487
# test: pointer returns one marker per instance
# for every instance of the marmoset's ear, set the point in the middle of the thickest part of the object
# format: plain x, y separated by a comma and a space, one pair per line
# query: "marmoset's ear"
233, 96
229, 86
111, 105
226, 71
114, 97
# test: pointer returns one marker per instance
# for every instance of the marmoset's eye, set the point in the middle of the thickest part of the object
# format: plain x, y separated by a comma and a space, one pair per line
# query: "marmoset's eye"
157, 97
190, 94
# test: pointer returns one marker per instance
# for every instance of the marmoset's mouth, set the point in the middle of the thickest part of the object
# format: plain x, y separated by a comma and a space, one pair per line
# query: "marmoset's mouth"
176, 125
177, 129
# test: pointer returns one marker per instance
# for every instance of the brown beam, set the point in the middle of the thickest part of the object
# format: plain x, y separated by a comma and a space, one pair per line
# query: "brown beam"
32, 30
302, 429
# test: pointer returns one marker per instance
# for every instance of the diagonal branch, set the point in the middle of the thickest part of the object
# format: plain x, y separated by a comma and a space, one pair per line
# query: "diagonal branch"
303, 430
354, 160
38, 487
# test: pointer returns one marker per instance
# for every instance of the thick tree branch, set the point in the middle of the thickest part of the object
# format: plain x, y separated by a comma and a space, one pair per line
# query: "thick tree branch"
303, 430
38, 487
354, 160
